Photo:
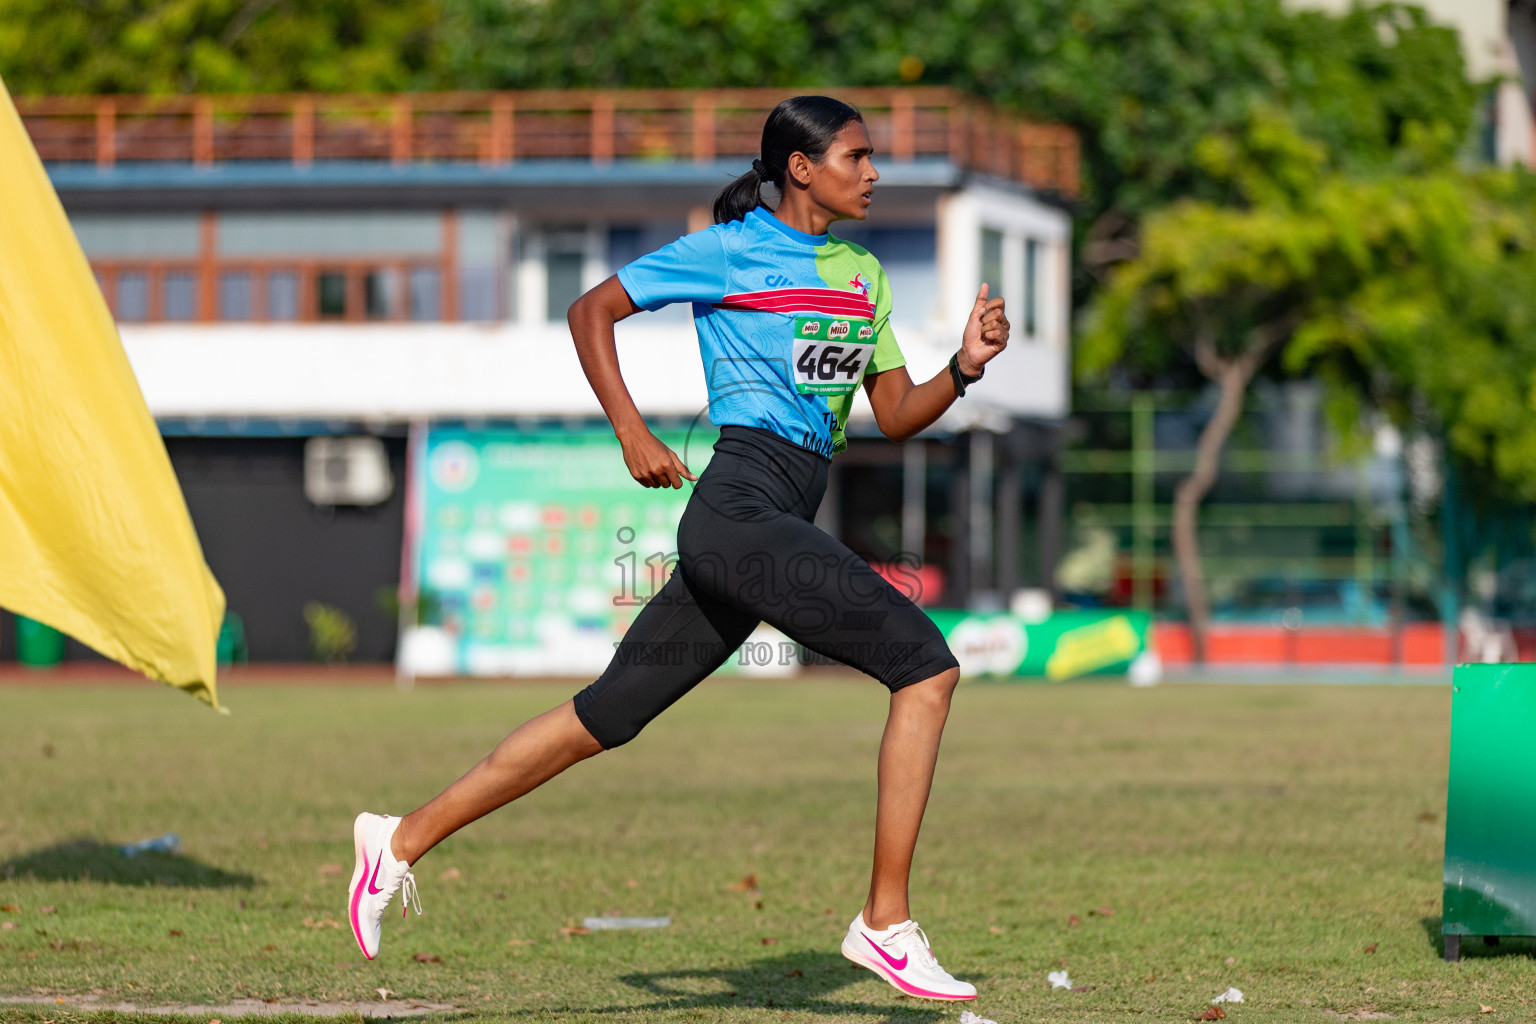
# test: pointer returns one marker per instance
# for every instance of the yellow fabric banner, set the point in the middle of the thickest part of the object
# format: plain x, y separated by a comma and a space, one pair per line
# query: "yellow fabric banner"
95, 539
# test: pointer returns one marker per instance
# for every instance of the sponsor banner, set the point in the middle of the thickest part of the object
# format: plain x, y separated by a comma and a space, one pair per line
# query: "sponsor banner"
534, 550
1064, 646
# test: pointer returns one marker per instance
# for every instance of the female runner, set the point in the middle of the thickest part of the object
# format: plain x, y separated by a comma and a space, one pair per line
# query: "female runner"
790, 321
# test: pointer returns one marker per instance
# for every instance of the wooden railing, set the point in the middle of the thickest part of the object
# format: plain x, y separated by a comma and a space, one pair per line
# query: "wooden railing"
497, 128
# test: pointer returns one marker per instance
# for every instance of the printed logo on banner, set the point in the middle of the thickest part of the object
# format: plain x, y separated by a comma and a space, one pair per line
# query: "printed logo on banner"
455, 466
989, 647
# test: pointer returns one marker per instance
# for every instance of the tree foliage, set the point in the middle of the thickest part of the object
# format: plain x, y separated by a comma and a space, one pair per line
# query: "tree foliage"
170, 46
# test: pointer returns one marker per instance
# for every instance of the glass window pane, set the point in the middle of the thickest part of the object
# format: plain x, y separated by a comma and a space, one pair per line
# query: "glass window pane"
132, 295
1031, 264
425, 285
992, 259
378, 294
283, 295
477, 293
564, 270
235, 295
331, 295
180, 295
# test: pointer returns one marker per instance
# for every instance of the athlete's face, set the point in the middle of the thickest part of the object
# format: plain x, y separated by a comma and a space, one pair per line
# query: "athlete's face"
842, 183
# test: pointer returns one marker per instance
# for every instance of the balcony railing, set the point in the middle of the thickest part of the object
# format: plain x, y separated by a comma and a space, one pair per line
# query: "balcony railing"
500, 128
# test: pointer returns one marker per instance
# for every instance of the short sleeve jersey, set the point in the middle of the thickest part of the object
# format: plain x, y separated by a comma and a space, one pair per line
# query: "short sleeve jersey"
789, 323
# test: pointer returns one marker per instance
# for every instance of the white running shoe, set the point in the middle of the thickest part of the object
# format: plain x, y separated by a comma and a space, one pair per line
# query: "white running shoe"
901, 956
376, 879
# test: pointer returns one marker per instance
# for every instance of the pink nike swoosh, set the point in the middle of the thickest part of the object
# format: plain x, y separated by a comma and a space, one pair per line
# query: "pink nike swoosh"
896, 965
372, 891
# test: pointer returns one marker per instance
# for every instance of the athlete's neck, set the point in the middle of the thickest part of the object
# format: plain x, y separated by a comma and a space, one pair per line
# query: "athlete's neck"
798, 211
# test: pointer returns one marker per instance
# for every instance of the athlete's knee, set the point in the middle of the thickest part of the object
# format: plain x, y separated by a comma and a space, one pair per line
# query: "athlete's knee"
935, 690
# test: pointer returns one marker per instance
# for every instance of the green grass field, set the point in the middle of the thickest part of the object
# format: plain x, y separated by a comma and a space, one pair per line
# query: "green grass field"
1159, 844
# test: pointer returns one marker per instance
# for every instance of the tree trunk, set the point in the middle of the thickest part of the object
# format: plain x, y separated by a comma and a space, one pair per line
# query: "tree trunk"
1233, 376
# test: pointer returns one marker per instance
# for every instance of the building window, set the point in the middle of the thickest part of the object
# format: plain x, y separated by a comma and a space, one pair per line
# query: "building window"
477, 293
180, 295
1031, 286
992, 260
282, 295
235, 295
378, 294
132, 296
424, 286
564, 270
331, 295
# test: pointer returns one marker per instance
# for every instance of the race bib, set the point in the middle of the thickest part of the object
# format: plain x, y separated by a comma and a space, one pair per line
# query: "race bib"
831, 354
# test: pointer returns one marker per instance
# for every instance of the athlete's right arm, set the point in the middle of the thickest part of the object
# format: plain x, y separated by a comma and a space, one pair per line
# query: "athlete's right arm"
592, 317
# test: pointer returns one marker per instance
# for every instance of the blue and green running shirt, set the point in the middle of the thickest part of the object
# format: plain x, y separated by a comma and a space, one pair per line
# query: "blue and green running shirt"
788, 322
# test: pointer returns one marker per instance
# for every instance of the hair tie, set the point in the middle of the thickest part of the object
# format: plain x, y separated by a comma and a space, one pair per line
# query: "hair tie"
762, 172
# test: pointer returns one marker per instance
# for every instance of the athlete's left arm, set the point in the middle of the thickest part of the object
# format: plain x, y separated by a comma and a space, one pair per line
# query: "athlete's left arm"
903, 409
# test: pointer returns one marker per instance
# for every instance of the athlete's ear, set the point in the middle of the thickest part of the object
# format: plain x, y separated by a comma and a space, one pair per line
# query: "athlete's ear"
799, 169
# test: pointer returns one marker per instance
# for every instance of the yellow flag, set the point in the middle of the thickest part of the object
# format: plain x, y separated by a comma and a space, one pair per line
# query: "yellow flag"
95, 539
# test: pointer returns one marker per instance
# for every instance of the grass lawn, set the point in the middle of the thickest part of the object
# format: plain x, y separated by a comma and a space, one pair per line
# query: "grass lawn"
1161, 845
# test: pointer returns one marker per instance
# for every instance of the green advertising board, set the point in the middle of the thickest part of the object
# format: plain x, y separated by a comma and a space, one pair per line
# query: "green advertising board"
1490, 817
534, 550
1062, 646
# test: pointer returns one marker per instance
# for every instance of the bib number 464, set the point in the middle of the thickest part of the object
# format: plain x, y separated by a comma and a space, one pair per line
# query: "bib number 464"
829, 368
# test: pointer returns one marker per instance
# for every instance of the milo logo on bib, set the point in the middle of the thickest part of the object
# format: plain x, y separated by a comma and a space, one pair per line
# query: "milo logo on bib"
839, 329
866, 332
810, 328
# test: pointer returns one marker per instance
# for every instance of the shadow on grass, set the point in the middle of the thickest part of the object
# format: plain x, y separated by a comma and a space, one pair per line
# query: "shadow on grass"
91, 860
807, 982
1475, 947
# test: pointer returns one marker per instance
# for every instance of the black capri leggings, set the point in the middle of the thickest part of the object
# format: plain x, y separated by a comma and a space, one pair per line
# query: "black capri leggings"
749, 553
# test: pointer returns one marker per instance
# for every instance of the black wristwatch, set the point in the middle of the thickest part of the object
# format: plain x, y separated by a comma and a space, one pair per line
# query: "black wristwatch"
958, 376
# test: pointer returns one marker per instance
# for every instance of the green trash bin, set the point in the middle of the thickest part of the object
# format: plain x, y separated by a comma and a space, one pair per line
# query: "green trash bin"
1490, 816
37, 645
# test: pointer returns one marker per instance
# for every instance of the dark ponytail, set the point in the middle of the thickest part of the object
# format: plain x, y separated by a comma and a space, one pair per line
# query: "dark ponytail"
801, 124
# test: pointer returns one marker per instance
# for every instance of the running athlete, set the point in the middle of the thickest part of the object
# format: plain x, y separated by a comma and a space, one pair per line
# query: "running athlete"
791, 320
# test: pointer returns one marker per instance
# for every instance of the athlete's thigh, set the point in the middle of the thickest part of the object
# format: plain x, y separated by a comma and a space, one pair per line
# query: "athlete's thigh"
812, 587
679, 638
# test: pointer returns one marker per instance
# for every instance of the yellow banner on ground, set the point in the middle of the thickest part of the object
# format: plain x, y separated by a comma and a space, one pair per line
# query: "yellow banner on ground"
95, 539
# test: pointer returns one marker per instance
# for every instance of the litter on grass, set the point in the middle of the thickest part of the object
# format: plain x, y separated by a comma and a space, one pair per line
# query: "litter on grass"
967, 1017
1059, 979
622, 923
1231, 995
168, 843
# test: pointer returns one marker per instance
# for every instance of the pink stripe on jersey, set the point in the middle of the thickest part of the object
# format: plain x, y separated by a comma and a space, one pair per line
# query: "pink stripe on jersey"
823, 301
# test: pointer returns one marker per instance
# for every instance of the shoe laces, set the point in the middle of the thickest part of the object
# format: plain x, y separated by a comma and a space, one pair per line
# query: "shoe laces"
409, 895
903, 937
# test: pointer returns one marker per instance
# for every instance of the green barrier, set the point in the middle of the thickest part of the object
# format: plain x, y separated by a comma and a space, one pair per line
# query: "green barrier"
1063, 646
1490, 818
37, 645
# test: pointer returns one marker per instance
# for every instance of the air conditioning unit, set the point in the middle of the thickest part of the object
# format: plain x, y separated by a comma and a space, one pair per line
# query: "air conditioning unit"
346, 471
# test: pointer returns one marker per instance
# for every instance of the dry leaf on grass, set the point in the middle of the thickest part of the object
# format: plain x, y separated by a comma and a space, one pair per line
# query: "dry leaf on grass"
427, 958
1371, 948
1214, 1013
632, 884
47, 910
10, 908
451, 875
1074, 920
747, 884
1104, 911
1484, 1008
573, 930
7, 925
310, 922
330, 870
796, 973
176, 933
770, 941
995, 930
384, 994
521, 942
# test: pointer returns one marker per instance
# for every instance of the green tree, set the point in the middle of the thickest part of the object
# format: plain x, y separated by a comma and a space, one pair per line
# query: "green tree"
169, 46
1409, 293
